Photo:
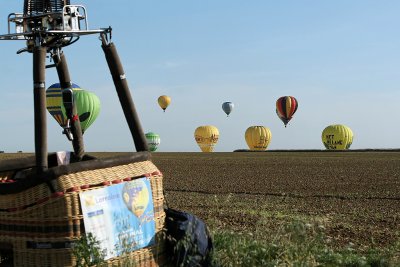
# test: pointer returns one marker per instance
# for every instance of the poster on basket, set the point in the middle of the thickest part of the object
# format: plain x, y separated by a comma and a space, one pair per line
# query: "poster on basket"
120, 216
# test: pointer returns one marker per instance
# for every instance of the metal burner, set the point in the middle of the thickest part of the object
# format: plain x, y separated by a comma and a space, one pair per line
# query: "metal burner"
34, 8
56, 21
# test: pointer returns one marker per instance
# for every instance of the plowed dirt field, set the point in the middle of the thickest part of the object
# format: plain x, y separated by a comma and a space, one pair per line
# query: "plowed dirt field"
354, 195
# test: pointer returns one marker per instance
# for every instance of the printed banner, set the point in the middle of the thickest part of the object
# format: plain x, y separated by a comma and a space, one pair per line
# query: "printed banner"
120, 216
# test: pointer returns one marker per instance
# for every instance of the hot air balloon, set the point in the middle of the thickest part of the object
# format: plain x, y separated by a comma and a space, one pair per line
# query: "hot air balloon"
87, 105
54, 102
153, 140
337, 137
258, 137
227, 107
136, 196
286, 106
206, 137
164, 101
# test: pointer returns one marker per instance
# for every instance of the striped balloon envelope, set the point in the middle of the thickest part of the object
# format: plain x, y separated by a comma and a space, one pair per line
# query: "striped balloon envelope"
153, 141
54, 102
87, 105
286, 106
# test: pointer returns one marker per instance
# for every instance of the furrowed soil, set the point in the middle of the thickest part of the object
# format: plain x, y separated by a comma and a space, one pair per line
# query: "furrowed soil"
354, 195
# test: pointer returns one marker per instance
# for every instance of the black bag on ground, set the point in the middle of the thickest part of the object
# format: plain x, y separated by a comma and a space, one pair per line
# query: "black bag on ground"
188, 239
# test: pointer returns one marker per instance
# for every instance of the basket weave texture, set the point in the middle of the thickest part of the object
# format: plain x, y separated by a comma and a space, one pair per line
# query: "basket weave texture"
40, 227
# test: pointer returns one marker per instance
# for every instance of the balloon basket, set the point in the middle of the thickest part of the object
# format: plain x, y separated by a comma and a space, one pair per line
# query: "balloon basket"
41, 215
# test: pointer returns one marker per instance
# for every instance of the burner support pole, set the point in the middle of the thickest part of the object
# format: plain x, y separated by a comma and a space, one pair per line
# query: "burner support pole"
39, 98
66, 84
124, 95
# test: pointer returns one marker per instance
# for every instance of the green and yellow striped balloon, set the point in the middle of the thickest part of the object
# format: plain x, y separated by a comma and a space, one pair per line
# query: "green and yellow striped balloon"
87, 105
54, 102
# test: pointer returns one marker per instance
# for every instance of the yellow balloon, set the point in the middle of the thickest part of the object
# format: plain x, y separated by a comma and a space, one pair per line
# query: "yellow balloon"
136, 196
337, 137
258, 137
206, 137
140, 202
164, 101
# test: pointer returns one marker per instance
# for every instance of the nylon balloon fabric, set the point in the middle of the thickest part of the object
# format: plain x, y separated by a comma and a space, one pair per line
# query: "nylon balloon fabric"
286, 106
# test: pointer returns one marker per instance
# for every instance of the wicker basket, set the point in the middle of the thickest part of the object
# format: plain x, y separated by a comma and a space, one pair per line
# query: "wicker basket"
41, 217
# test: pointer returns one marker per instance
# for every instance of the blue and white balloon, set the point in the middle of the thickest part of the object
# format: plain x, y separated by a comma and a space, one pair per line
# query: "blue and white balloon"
227, 107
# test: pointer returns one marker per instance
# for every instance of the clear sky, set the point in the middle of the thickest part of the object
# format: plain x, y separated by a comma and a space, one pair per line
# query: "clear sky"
340, 59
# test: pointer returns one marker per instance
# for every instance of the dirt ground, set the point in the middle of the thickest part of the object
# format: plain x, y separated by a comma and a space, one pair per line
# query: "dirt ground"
354, 195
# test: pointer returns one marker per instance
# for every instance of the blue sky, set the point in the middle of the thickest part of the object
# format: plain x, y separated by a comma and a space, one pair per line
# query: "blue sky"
340, 59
